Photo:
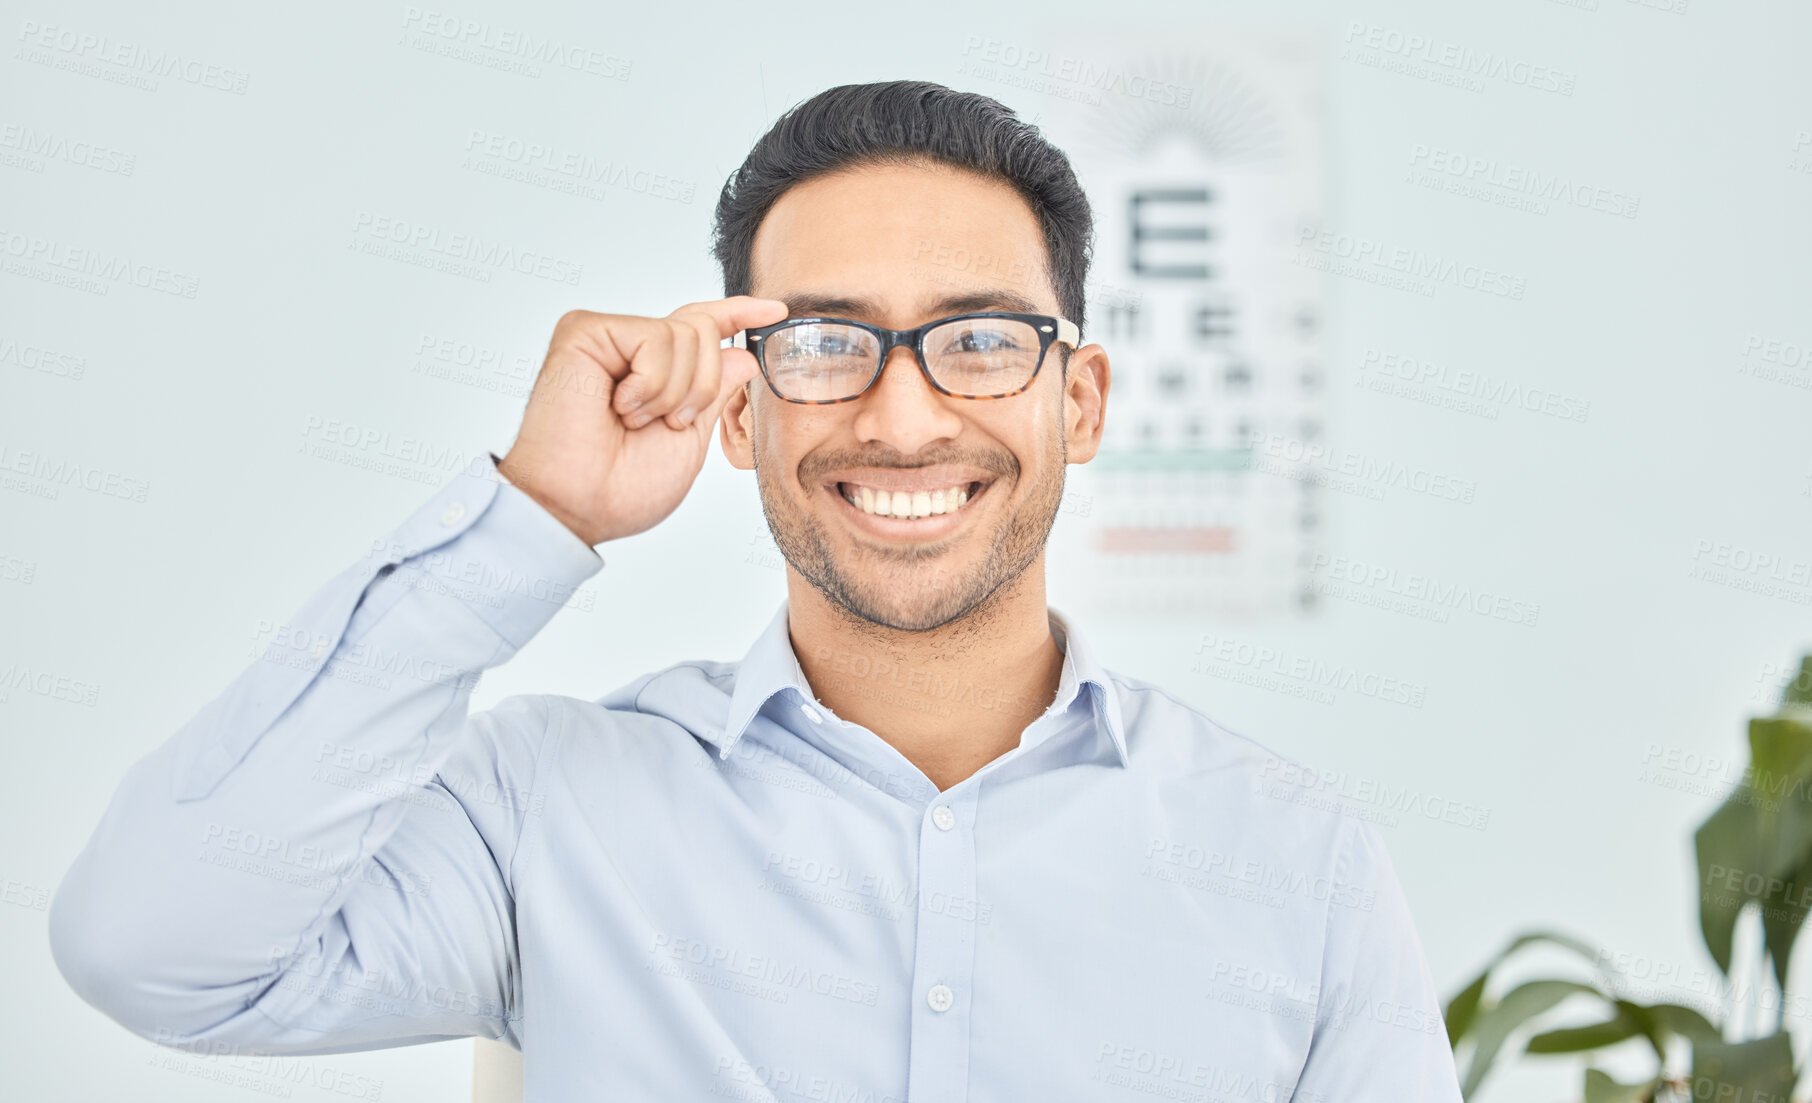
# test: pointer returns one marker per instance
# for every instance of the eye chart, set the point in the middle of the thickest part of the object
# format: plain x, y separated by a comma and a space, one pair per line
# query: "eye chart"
1200, 162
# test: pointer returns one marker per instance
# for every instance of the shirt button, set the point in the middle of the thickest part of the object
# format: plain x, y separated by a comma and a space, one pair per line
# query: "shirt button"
812, 714
943, 817
940, 997
451, 515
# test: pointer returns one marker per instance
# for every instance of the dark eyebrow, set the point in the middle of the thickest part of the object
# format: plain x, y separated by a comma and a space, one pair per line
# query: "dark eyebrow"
806, 304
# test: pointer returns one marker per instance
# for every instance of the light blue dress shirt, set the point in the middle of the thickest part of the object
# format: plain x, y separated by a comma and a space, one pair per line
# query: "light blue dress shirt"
705, 884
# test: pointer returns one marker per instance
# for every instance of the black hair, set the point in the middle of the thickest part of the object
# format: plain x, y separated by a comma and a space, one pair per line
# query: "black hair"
907, 121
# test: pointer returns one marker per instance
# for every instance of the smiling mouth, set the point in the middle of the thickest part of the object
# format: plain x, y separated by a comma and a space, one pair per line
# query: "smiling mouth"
911, 505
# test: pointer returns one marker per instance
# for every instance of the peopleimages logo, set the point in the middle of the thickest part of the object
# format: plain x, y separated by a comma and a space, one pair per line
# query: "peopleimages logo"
469, 248
1296, 778
56, 261
545, 164
1457, 59
508, 42
1370, 472
1736, 557
46, 684
35, 357
784, 976
1413, 263
47, 476
34, 146
268, 1074
1466, 383
63, 48
1424, 587
1262, 874
1078, 71
1551, 187
1282, 663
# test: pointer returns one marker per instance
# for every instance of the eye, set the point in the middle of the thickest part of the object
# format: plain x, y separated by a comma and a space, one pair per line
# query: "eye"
825, 342
830, 344
981, 340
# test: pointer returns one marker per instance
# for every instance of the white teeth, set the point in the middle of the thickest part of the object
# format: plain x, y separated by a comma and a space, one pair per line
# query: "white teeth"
899, 503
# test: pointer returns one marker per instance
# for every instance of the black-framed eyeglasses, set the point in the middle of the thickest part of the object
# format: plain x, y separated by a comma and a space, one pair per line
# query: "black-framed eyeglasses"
988, 354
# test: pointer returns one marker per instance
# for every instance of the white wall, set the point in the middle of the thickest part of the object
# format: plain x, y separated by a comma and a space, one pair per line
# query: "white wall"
1703, 114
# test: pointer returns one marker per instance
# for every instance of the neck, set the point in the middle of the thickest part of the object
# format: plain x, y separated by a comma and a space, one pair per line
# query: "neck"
950, 699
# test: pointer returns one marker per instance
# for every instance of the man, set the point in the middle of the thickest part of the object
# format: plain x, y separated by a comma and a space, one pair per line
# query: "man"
918, 844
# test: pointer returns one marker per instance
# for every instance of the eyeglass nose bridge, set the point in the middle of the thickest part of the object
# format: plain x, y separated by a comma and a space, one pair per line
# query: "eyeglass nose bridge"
910, 339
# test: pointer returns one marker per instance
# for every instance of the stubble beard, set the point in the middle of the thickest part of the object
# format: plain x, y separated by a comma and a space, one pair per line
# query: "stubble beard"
908, 588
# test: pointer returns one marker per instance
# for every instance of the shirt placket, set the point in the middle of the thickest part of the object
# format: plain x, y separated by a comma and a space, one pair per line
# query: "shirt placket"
944, 956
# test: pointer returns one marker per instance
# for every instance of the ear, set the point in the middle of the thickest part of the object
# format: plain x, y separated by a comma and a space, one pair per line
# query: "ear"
1085, 402
735, 430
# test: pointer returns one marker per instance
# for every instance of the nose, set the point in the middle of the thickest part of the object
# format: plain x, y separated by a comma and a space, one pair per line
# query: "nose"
903, 409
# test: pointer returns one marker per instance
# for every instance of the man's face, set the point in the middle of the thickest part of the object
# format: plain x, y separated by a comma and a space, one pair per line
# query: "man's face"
897, 247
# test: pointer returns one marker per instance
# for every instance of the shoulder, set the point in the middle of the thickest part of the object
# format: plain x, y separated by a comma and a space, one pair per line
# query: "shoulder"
508, 753
652, 714
1273, 803
1176, 734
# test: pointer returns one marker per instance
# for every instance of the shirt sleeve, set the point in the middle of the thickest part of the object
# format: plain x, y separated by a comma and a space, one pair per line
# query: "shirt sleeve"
1379, 1033
319, 860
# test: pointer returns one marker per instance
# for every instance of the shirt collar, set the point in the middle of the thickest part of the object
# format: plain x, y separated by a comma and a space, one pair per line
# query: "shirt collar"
771, 666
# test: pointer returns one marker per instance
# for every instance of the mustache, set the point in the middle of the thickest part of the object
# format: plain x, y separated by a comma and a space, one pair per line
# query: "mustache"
814, 467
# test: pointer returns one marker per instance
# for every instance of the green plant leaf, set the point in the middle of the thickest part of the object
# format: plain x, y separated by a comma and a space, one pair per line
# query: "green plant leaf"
1783, 913
1600, 1088
1759, 1069
1463, 1008
1462, 1011
1729, 840
1496, 1023
1651, 1027
1780, 776
1677, 1019
1576, 1039
1784, 900
1799, 690
1629, 1019
1565, 942
1750, 848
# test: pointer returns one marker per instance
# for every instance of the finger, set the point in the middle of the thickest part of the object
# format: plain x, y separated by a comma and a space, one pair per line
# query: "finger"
705, 375
679, 377
611, 340
646, 346
738, 312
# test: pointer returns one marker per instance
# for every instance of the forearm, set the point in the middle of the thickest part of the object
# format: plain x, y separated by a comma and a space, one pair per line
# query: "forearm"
228, 850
